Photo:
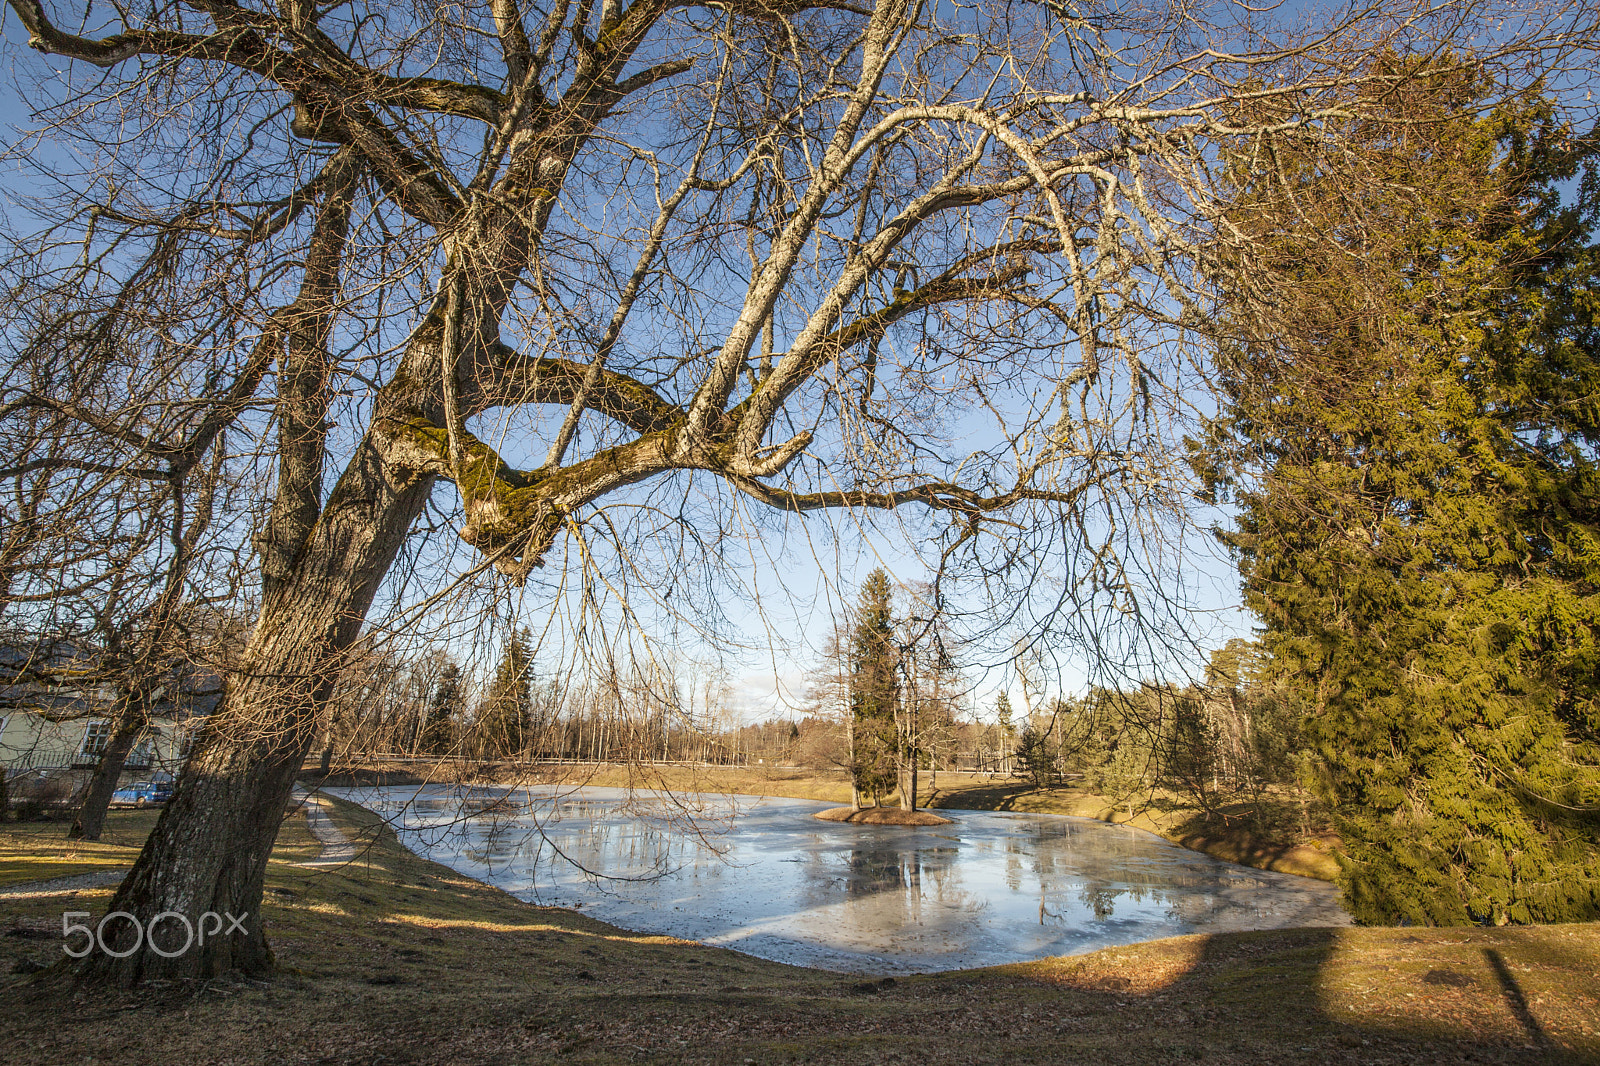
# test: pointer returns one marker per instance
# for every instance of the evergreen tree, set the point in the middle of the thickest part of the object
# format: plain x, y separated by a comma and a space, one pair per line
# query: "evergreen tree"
1123, 755
1037, 756
1189, 762
1002, 715
1412, 443
504, 719
439, 731
1007, 731
874, 691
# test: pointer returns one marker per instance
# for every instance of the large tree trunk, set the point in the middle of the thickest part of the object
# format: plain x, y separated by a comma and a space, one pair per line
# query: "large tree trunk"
321, 570
131, 718
208, 853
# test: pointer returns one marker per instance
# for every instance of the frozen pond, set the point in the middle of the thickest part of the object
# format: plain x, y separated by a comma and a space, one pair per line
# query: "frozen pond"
763, 876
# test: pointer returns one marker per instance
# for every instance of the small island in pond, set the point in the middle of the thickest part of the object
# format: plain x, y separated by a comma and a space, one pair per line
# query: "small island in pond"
880, 816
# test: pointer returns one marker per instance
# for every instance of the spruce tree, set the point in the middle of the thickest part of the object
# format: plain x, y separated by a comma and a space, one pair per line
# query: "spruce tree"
1412, 442
1037, 756
1007, 731
874, 691
439, 731
504, 718
1002, 715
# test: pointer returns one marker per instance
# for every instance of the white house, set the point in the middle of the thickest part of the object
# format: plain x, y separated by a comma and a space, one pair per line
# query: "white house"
54, 730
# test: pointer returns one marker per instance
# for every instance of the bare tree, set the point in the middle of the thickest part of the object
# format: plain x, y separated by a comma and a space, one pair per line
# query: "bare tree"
932, 691
672, 261
111, 564
152, 649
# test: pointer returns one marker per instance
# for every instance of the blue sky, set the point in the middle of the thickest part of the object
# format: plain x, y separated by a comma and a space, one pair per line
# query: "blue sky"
794, 583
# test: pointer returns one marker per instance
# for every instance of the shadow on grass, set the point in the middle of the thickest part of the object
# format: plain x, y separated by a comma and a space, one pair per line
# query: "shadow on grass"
1515, 1000
996, 797
1328, 995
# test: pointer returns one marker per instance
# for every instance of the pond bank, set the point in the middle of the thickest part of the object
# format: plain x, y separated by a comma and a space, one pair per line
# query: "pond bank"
880, 816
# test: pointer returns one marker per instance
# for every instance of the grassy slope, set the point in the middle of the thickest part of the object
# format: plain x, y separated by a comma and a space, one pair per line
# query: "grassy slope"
394, 960
1278, 843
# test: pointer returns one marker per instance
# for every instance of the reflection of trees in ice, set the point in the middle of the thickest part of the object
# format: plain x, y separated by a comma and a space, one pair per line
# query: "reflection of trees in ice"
1100, 898
544, 838
1014, 855
888, 886
1058, 852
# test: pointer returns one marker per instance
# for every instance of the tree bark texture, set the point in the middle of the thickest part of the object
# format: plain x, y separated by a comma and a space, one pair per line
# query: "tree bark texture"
209, 850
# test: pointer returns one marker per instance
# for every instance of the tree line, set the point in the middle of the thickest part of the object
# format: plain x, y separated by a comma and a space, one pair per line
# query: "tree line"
429, 708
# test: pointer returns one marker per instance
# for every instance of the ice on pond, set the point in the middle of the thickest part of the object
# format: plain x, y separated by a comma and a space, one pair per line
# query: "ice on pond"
763, 876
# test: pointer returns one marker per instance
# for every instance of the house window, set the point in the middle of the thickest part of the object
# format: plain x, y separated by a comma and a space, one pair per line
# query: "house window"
95, 738
145, 750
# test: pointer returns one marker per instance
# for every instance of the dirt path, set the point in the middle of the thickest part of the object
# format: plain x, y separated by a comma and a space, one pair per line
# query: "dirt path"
57, 885
336, 847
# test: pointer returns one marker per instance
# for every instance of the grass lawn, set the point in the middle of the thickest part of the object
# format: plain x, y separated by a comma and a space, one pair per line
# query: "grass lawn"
393, 959
38, 851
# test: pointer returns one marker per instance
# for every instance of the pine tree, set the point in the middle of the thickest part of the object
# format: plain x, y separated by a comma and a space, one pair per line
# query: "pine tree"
504, 719
1002, 715
1188, 758
1412, 447
874, 691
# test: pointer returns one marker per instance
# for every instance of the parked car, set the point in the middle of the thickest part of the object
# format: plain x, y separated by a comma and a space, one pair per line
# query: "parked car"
143, 793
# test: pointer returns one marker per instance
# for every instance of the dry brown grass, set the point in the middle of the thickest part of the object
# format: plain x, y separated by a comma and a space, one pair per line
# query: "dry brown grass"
397, 960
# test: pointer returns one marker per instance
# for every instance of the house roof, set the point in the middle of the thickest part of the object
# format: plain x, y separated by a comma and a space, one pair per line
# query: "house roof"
62, 679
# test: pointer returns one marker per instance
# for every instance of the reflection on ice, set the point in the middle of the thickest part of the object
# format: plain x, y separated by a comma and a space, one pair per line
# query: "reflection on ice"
765, 877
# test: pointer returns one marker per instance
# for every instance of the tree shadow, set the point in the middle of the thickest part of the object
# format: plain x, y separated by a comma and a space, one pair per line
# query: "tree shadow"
997, 797
1344, 995
1515, 1000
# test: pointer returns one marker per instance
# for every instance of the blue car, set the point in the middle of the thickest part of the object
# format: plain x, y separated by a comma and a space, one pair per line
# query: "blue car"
143, 793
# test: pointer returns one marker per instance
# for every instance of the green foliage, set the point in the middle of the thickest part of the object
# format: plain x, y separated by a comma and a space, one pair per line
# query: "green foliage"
1191, 751
1002, 715
874, 690
1255, 729
1412, 441
503, 720
1037, 755
1110, 740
